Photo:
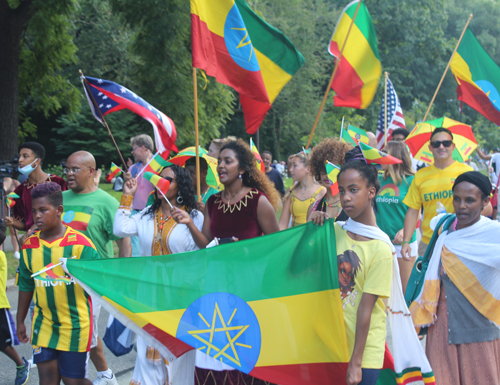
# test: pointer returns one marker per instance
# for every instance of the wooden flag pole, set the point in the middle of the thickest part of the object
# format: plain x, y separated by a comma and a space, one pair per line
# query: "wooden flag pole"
448, 66
196, 135
103, 120
386, 75
337, 62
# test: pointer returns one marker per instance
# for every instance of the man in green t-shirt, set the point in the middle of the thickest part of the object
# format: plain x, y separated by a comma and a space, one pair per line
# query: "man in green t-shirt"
91, 211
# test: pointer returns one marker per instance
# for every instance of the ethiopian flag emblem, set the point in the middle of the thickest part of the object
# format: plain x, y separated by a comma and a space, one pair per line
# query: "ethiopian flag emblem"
231, 42
273, 312
77, 217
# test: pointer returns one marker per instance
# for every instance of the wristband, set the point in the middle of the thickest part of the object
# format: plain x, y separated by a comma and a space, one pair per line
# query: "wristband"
405, 242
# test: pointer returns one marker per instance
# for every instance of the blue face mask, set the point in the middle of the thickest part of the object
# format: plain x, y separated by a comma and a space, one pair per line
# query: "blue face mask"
26, 170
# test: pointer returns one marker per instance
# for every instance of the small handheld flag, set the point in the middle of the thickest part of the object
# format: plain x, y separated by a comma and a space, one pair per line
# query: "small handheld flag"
115, 171
255, 151
372, 155
47, 274
332, 171
161, 184
154, 165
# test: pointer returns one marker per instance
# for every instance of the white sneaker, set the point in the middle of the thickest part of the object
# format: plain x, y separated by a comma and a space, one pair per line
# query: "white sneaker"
102, 380
32, 364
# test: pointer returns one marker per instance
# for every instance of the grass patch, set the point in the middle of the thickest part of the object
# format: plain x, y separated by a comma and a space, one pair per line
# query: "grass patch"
108, 187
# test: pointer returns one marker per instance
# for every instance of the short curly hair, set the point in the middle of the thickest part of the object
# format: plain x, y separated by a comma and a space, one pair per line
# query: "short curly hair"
330, 149
50, 190
253, 177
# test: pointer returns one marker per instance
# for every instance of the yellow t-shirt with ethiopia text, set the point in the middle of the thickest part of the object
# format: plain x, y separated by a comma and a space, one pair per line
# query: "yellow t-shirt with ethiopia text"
430, 186
364, 267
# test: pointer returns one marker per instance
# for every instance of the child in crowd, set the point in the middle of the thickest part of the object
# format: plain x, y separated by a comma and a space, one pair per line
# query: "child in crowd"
62, 322
369, 261
6, 328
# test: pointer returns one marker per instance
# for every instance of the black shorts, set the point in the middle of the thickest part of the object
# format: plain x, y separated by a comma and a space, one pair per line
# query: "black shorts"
7, 331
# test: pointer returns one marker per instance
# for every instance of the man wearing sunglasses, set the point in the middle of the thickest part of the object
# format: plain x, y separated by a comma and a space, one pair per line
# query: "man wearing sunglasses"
432, 189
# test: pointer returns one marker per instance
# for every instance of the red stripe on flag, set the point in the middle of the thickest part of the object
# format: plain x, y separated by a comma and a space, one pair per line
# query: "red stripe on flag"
478, 100
303, 374
76, 225
176, 346
347, 84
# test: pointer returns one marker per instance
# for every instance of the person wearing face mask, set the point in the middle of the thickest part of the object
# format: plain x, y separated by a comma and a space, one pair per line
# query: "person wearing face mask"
31, 155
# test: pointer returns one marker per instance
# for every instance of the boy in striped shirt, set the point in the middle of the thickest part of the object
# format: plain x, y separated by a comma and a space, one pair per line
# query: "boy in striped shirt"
62, 322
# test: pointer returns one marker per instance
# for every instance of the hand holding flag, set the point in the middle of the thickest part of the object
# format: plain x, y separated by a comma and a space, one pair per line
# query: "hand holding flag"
161, 184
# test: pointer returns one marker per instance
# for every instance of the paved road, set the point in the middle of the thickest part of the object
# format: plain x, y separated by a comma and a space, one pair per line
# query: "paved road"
122, 366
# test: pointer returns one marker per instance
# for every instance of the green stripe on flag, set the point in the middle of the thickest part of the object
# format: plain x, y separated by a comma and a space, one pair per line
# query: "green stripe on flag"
304, 262
481, 65
270, 41
365, 25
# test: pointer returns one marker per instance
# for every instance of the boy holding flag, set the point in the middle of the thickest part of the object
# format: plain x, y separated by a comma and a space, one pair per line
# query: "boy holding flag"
62, 322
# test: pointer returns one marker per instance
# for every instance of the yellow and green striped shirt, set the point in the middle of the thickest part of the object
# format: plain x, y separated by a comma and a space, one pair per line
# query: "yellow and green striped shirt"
63, 312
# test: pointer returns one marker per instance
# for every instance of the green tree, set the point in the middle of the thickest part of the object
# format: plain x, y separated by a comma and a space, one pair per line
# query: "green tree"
163, 43
36, 43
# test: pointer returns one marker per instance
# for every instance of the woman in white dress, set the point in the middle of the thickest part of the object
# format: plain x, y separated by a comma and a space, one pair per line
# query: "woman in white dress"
160, 234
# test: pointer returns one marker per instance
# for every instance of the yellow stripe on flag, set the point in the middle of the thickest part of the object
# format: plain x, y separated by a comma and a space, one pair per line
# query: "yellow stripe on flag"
81, 217
213, 14
274, 77
361, 57
312, 338
461, 69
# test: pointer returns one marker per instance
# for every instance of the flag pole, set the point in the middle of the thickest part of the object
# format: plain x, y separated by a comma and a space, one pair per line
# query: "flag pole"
342, 128
103, 120
448, 66
196, 135
386, 75
337, 62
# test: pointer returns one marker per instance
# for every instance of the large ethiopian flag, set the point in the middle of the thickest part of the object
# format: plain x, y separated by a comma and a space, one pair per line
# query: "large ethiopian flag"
359, 71
478, 78
269, 306
232, 43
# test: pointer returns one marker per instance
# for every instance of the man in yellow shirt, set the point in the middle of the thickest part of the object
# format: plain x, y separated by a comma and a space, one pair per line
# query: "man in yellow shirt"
432, 189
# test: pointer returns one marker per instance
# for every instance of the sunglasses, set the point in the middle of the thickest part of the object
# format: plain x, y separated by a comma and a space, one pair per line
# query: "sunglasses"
438, 143
169, 178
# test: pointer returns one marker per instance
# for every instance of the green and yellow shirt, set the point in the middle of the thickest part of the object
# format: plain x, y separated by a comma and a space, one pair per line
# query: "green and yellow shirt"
63, 311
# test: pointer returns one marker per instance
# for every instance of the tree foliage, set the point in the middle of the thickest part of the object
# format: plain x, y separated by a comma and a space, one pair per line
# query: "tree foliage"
146, 47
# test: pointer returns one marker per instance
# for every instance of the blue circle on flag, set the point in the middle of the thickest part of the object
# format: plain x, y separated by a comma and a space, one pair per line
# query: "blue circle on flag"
225, 327
238, 41
490, 90
69, 216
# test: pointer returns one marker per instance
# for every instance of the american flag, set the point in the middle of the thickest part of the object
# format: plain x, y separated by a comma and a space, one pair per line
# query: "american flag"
395, 117
111, 97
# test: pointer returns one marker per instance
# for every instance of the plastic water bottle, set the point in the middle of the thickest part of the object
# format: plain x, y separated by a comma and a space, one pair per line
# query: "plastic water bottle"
440, 209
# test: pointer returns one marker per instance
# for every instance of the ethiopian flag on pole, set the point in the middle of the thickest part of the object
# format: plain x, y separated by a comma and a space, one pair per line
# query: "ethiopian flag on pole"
232, 43
359, 71
272, 312
478, 78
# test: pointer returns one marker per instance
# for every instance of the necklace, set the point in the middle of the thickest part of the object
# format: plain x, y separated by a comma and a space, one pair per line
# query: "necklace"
334, 204
161, 224
229, 200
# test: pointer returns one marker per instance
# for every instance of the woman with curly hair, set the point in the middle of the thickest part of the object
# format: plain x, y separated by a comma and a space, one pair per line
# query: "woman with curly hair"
244, 209
159, 234
300, 196
333, 151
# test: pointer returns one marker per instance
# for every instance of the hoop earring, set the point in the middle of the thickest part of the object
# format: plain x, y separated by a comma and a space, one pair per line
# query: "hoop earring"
180, 199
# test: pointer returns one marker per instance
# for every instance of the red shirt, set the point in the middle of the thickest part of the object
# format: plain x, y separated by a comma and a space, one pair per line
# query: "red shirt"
22, 210
236, 220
